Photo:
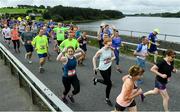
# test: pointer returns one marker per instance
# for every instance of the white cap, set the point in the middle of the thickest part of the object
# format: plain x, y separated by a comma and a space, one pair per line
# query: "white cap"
156, 30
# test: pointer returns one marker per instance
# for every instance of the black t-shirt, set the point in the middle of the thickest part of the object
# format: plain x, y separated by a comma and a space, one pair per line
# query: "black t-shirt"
164, 68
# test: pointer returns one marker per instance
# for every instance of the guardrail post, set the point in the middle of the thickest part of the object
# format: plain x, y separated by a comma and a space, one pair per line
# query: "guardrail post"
20, 80
165, 37
32, 95
12, 68
5, 60
1, 55
131, 33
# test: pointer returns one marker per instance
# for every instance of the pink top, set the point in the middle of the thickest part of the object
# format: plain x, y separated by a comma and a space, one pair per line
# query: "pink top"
15, 35
125, 92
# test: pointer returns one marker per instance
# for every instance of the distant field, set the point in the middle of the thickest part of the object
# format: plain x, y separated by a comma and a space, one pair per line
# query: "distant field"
15, 10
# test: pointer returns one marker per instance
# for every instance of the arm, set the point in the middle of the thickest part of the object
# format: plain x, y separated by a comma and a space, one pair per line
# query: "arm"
98, 53
113, 56
155, 68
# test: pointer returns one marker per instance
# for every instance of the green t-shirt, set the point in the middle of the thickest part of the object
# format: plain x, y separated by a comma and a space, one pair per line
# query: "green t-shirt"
60, 32
40, 44
66, 43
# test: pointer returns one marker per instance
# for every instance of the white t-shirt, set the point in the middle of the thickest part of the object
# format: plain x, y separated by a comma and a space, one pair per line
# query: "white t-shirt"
6, 32
143, 50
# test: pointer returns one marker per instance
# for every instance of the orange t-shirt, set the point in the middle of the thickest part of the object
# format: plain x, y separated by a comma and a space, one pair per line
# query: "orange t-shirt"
15, 35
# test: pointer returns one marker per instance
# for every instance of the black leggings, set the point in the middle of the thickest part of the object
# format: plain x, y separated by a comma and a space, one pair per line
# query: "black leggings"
106, 74
16, 43
67, 81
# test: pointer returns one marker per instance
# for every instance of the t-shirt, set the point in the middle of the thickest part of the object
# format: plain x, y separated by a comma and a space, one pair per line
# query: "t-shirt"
6, 32
66, 43
15, 35
152, 38
164, 68
105, 59
60, 32
27, 36
116, 42
41, 44
142, 49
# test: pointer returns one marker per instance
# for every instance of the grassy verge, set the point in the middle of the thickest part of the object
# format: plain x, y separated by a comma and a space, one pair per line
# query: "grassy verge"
127, 50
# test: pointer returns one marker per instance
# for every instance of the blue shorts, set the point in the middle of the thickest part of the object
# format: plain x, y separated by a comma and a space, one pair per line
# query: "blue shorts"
42, 55
159, 85
140, 63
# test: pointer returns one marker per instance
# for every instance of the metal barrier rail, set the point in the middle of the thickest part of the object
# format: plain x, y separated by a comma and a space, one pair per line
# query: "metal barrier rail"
134, 44
52, 102
131, 32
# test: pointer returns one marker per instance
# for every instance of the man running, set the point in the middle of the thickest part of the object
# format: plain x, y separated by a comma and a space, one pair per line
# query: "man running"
40, 42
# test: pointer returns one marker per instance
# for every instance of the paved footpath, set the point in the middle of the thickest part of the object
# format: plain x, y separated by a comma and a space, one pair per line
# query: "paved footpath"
13, 98
91, 98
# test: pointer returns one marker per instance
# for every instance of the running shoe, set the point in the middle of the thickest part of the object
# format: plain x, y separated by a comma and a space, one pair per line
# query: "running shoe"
64, 100
142, 97
94, 81
71, 98
108, 102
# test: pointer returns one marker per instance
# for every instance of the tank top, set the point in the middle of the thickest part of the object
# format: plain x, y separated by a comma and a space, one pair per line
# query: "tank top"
105, 59
120, 99
70, 67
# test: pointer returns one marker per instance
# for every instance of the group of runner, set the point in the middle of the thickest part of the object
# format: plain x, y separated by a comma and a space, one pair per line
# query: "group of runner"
71, 46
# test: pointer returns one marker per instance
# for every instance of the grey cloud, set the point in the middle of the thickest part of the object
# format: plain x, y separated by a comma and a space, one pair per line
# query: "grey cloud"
126, 6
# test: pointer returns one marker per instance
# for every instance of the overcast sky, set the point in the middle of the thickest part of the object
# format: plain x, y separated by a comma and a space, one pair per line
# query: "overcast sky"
126, 6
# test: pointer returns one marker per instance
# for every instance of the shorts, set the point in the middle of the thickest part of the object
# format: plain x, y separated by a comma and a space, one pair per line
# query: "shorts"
42, 55
7, 38
140, 63
121, 108
160, 85
29, 48
59, 42
83, 47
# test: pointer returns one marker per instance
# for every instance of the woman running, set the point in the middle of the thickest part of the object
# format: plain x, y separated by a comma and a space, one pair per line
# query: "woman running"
163, 71
15, 37
70, 76
106, 56
126, 98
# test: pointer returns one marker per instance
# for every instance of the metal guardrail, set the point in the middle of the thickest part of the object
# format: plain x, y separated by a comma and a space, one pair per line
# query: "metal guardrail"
36, 87
134, 44
165, 36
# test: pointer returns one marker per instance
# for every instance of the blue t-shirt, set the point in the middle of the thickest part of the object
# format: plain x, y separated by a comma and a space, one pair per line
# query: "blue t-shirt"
116, 42
152, 47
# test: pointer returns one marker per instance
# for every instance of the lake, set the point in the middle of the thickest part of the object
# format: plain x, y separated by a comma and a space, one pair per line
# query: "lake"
169, 26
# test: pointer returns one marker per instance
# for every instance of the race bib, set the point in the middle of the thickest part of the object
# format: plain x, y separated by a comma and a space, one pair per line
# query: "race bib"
108, 60
71, 72
42, 47
84, 42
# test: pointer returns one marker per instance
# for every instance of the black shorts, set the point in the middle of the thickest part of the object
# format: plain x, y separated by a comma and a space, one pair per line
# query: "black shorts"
83, 47
121, 108
7, 38
29, 48
59, 42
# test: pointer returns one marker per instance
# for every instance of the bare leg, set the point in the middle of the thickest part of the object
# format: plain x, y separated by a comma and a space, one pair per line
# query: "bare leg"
165, 97
152, 92
133, 109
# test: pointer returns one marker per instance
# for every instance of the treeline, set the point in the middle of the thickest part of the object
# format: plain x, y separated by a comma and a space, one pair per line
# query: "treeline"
166, 14
60, 13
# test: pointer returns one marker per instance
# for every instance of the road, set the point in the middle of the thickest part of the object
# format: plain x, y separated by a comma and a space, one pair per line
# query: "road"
91, 97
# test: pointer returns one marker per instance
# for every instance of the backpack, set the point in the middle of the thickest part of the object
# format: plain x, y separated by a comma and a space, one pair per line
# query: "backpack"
139, 47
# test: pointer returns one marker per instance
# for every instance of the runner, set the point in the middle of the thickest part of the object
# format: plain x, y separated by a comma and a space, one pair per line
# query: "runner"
83, 45
100, 36
15, 37
70, 76
6, 32
116, 44
141, 53
27, 37
40, 42
152, 47
60, 33
106, 56
129, 91
163, 71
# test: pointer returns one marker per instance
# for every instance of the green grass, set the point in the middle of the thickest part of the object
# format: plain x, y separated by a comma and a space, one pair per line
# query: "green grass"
127, 50
15, 10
